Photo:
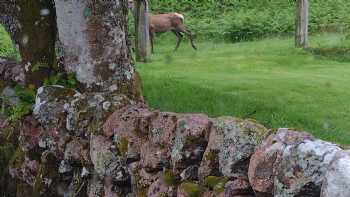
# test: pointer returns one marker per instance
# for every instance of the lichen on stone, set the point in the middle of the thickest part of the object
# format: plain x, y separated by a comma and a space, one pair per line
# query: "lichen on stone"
123, 145
191, 189
169, 178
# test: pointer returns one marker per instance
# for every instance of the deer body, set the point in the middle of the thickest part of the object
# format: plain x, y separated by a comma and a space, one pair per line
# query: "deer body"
161, 23
174, 22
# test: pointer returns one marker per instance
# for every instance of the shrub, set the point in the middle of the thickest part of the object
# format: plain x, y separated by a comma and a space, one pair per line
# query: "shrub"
247, 19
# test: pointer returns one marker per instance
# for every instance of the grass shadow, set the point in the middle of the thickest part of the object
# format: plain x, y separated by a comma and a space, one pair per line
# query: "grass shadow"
340, 54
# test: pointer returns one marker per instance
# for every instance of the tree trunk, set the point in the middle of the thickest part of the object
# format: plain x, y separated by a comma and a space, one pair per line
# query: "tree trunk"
142, 40
32, 26
302, 23
95, 45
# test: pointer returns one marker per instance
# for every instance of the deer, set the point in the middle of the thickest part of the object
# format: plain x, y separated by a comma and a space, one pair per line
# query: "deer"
161, 23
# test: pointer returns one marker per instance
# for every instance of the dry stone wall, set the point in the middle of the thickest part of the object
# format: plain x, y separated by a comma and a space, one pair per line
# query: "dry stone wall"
139, 151
104, 141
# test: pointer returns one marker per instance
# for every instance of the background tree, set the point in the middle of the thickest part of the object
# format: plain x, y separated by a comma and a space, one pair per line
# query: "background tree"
95, 45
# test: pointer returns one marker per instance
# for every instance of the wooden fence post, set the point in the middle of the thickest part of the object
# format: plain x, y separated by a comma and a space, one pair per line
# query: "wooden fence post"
142, 41
302, 23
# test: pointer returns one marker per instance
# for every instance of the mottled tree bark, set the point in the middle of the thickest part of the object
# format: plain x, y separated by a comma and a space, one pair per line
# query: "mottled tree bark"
32, 26
95, 44
142, 40
302, 23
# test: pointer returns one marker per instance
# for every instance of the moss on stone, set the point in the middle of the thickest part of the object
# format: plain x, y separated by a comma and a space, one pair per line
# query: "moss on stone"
18, 158
163, 195
193, 140
216, 183
252, 128
169, 178
211, 156
123, 144
162, 146
6, 151
142, 192
94, 129
191, 189
9, 131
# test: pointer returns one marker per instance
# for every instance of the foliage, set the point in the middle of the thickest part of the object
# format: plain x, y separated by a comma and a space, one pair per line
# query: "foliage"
24, 107
216, 183
19, 111
6, 46
267, 80
62, 79
191, 189
246, 19
39, 66
27, 95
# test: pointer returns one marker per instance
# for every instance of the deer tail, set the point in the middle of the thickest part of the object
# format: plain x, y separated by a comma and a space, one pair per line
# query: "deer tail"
180, 16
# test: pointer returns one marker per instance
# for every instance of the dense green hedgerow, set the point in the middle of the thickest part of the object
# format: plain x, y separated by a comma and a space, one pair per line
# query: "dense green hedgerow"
245, 19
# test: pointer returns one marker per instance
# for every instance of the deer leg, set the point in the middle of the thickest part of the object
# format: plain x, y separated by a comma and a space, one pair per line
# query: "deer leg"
152, 35
179, 39
151, 40
189, 35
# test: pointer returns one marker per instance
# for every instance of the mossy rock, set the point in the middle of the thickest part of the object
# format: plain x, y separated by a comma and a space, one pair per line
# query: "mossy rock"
216, 183
192, 189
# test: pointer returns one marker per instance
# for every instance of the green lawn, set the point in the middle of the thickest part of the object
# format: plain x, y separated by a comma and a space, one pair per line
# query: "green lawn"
267, 80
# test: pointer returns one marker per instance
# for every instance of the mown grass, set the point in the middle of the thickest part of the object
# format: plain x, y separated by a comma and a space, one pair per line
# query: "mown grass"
267, 80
